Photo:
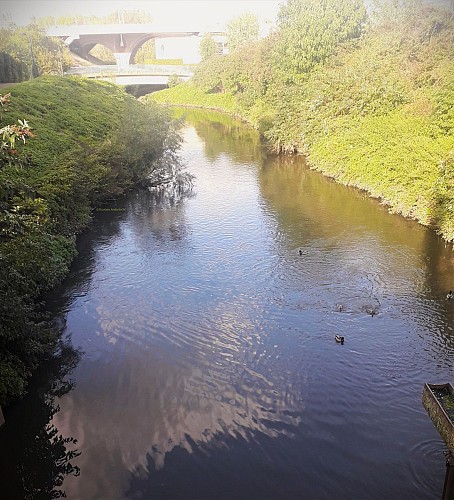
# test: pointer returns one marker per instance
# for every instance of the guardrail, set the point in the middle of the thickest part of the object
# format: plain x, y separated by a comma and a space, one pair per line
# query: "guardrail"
132, 70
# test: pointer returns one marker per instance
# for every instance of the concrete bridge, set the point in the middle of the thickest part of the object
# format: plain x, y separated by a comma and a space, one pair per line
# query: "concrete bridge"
124, 40
135, 74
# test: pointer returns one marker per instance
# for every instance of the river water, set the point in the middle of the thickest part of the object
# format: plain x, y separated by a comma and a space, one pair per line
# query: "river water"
207, 363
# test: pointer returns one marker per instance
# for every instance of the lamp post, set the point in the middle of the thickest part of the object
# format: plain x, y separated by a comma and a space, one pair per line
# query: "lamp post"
60, 60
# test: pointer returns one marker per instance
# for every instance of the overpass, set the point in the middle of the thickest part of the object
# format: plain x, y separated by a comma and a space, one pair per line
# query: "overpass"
124, 40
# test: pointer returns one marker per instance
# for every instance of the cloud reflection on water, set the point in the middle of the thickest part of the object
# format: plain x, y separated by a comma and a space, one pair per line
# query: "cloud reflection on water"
213, 385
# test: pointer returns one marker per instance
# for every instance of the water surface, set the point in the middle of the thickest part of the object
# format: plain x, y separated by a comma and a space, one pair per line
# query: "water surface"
209, 367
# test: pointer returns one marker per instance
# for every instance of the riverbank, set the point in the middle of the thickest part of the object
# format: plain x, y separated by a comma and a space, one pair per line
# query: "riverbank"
376, 115
91, 142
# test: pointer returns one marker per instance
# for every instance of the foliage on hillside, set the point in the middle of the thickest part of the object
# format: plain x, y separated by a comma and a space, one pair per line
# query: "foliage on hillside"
309, 31
371, 104
91, 142
186, 94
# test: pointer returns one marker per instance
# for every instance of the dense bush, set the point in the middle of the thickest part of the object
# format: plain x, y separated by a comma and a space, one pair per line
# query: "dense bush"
12, 70
91, 142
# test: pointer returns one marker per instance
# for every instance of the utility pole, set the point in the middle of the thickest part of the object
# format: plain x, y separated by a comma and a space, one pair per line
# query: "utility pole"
121, 16
34, 67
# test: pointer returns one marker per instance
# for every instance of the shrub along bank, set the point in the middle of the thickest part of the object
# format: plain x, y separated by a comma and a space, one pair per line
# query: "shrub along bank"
91, 142
370, 103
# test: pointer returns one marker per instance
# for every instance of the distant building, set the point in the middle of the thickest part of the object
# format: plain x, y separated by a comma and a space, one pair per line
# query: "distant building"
187, 48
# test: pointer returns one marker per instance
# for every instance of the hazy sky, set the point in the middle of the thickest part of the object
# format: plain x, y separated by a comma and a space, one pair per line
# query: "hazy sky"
21, 12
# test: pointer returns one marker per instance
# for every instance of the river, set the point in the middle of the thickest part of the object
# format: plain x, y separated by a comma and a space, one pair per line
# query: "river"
203, 360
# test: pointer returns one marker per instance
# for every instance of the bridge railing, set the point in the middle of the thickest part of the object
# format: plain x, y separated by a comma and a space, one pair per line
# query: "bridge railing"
133, 69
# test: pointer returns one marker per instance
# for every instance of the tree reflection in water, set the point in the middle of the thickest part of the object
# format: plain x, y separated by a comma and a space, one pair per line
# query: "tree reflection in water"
34, 457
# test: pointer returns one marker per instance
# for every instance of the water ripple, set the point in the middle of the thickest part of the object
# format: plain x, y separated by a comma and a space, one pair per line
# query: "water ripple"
205, 329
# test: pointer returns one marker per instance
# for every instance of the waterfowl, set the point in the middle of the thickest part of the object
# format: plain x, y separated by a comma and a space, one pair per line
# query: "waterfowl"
339, 339
450, 295
339, 307
300, 252
371, 311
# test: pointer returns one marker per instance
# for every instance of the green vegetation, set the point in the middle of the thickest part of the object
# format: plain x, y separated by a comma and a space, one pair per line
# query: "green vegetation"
104, 54
447, 401
11, 69
119, 16
186, 94
34, 53
147, 53
207, 46
88, 142
369, 100
241, 31
310, 31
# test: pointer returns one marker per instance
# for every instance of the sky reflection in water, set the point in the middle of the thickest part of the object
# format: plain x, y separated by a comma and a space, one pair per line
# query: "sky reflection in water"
209, 342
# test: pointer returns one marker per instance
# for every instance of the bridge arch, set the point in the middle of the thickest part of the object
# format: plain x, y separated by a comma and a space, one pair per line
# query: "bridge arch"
138, 44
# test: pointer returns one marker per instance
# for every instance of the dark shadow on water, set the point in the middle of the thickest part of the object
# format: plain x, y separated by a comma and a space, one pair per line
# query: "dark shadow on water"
235, 469
103, 228
34, 457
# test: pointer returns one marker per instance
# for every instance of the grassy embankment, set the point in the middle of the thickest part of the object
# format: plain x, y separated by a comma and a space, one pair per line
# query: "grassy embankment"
92, 142
187, 94
377, 114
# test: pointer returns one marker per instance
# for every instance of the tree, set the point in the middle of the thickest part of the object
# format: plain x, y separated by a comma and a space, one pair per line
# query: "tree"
207, 46
310, 30
241, 31
147, 53
35, 51
119, 16
391, 11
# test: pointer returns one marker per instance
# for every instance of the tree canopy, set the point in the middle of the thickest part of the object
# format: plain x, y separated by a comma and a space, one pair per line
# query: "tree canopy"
242, 30
207, 46
310, 30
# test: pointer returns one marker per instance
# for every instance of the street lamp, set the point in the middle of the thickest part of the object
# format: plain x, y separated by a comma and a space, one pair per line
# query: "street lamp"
60, 61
